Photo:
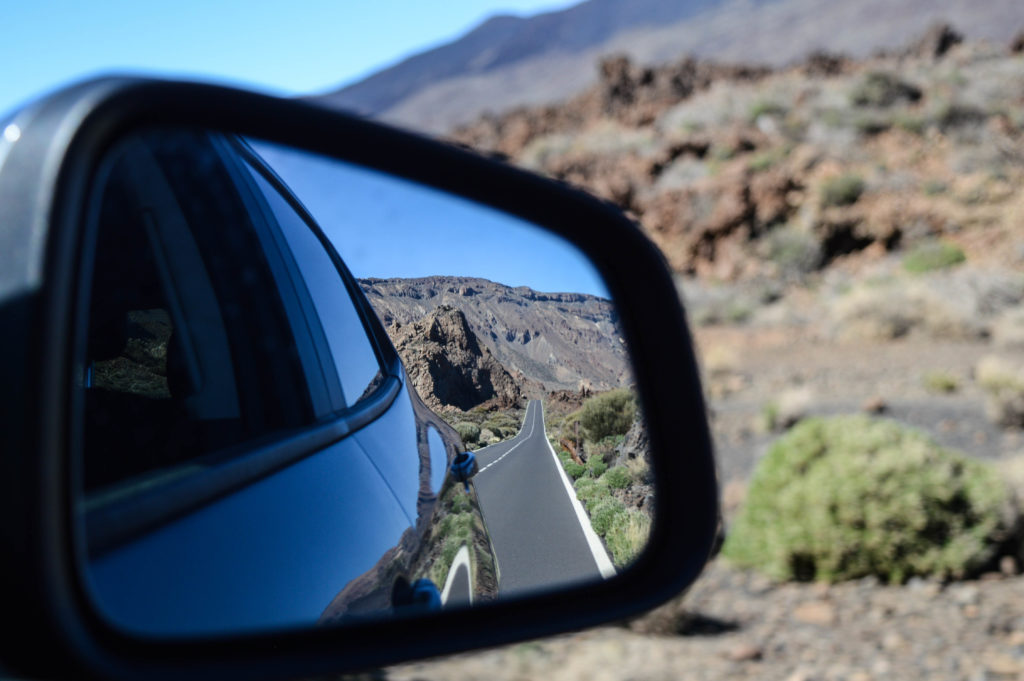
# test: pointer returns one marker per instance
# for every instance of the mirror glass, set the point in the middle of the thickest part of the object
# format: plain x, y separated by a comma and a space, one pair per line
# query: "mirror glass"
311, 393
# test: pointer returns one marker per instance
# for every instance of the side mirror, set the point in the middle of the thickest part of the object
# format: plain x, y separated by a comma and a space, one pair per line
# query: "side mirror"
464, 467
282, 387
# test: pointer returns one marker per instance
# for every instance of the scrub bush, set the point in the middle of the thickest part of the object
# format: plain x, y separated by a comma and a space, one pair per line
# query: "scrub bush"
604, 513
608, 414
469, 432
940, 382
574, 470
627, 536
932, 256
849, 496
879, 88
590, 491
1002, 380
843, 190
617, 478
596, 466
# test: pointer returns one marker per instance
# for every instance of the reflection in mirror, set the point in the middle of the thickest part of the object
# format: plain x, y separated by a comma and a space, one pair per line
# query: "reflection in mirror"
395, 402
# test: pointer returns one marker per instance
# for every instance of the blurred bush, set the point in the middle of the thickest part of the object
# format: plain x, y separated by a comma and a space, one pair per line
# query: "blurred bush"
627, 535
608, 414
933, 256
849, 496
469, 432
938, 381
881, 88
603, 513
1003, 382
618, 477
843, 190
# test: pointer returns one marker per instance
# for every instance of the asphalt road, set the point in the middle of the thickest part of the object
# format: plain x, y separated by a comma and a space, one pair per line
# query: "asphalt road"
541, 535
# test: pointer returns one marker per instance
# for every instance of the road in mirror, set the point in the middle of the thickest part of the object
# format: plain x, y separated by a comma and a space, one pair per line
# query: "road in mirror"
283, 363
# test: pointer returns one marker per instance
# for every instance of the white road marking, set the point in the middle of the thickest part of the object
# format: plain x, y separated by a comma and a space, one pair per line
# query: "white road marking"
461, 558
604, 564
477, 451
533, 425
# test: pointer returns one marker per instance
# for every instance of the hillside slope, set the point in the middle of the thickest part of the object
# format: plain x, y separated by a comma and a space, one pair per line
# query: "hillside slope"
558, 340
509, 61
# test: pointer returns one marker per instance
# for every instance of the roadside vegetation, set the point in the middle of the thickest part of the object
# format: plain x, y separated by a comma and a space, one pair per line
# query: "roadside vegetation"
480, 427
852, 496
610, 473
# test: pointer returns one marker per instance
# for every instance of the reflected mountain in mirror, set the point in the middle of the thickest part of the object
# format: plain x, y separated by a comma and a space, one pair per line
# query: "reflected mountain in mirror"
313, 393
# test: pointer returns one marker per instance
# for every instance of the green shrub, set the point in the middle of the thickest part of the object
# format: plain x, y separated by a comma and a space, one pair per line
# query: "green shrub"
932, 256
1002, 379
608, 414
596, 467
940, 382
795, 251
627, 535
880, 88
459, 502
913, 124
590, 491
843, 190
469, 432
765, 107
574, 470
455, 531
603, 513
618, 477
765, 160
870, 125
850, 496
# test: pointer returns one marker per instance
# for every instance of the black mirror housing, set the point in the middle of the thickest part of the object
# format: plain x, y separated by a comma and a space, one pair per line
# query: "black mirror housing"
44, 178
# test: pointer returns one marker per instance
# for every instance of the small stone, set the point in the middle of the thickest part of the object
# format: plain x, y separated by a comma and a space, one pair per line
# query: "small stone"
1003, 665
881, 667
1015, 639
746, 652
816, 612
859, 676
868, 582
965, 594
924, 587
1008, 565
970, 611
893, 641
875, 405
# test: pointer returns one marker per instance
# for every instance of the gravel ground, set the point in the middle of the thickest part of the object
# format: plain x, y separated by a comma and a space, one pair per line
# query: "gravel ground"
738, 625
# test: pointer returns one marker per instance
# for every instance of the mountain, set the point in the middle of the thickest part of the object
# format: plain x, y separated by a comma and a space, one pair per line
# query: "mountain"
449, 367
558, 340
510, 61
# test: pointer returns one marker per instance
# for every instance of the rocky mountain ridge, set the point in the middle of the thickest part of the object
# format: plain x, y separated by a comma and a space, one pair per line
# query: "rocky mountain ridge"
509, 62
846, 156
555, 340
449, 367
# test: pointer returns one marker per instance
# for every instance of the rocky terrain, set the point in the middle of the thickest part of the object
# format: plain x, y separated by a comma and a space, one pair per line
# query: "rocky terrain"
449, 367
510, 61
554, 340
848, 235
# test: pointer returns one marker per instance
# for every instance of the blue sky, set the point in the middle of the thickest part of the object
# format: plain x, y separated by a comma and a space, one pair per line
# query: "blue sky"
386, 227
282, 47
